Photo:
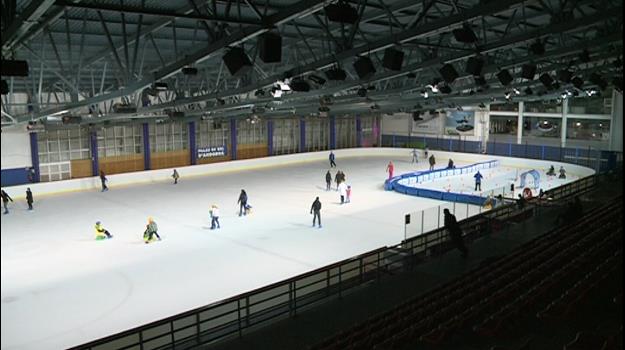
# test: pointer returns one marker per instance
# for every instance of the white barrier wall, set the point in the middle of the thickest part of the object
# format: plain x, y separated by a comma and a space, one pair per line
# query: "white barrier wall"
93, 183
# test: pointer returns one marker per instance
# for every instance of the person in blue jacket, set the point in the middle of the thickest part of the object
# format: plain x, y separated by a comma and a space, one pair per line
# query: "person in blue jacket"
478, 180
332, 157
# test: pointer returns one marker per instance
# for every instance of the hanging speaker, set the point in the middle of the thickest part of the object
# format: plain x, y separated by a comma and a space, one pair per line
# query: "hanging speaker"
12, 68
480, 81
504, 77
270, 47
474, 66
364, 67
237, 61
4, 87
565, 76
547, 80
465, 34
578, 82
336, 74
393, 59
598, 80
449, 73
528, 71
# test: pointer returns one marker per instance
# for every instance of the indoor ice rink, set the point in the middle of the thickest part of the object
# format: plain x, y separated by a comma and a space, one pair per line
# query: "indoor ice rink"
62, 288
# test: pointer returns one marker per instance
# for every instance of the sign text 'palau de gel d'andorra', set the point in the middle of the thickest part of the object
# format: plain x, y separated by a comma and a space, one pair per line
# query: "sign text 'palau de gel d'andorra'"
208, 152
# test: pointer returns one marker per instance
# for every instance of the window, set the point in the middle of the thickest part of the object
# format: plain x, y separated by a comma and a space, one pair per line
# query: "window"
57, 148
169, 137
209, 133
120, 140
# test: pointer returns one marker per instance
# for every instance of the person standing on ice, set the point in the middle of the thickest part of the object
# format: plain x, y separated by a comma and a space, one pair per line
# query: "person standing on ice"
450, 165
332, 158
151, 231
432, 162
103, 180
337, 179
562, 173
349, 194
242, 203
101, 232
315, 209
5, 200
176, 176
390, 168
328, 181
29, 198
478, 180
343, 191
214, 212
426, 151
415, 156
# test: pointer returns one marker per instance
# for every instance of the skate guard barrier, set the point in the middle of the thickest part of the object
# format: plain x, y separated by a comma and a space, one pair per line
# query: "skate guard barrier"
396, 183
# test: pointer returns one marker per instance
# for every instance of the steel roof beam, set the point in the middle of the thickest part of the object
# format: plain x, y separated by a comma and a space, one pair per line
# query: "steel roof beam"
28, 18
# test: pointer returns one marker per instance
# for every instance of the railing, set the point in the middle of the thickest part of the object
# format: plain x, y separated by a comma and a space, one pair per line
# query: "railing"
286, 298
600, 161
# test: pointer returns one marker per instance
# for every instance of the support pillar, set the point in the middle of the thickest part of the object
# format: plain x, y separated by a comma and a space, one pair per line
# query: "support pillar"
233, 139
270, 137
147, 161
519, 131
34, 155
565, 114
332, 132
192, 143
616, 124
302, 135
95, 160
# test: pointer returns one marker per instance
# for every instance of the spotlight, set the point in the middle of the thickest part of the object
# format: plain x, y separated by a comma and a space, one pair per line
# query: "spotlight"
362, 92
259, 93
508, 95
434, 88
424, 93
482, 105
516, 91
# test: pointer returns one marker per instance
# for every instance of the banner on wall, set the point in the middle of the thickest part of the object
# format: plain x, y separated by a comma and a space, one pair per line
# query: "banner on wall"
460, 123
209, 152
429, 123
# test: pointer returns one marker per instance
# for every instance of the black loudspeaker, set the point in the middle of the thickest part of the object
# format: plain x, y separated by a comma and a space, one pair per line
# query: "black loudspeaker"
189, 71
504, 77
480, 81
578, 82
445, 89
270, 47
547, 80
565, 76
12, 68
300, 85
474, 66
528, 71
176, 114
465, 35
342, 13
584, 56
538, 48
393, 59
449, 74
364, 67
237, 61
4, 87
598, 80
336, 74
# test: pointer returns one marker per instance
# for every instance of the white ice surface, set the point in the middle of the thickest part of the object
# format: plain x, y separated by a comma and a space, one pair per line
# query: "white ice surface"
62, 288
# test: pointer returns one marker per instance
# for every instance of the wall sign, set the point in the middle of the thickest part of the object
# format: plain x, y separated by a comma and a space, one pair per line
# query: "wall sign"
209, 152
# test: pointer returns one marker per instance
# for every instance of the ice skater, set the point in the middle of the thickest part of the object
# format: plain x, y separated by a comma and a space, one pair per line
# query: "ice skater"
214, 213
348, 192
432, 162
450, 164
328, 181
426, 151
562, 173
551, 171
415, 156
337, 179
5, 200
150, 231
390, 168
332, 158
243, 207
29, 198
455, 232
315, 209
104, 180
176, 176
478, 181
343, 192
101, 233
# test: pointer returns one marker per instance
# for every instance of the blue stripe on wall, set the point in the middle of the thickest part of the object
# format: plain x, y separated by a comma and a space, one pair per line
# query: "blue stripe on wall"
12, 177
270, 137
95, 161
192, 143
147, 163
233, 139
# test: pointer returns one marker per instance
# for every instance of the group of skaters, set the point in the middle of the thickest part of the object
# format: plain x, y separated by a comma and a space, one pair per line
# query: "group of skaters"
6, 198
552, 172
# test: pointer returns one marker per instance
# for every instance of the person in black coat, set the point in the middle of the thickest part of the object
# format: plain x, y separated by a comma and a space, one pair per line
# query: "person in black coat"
103, 179
455, 232
29, 198
316, 210
5, 200
328, 181
242, 203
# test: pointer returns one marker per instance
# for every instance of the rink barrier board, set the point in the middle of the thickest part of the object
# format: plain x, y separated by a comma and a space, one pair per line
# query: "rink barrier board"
232, 317
222, 168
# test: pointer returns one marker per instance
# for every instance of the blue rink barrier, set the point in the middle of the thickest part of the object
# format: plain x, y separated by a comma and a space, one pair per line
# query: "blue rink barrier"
421, 176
